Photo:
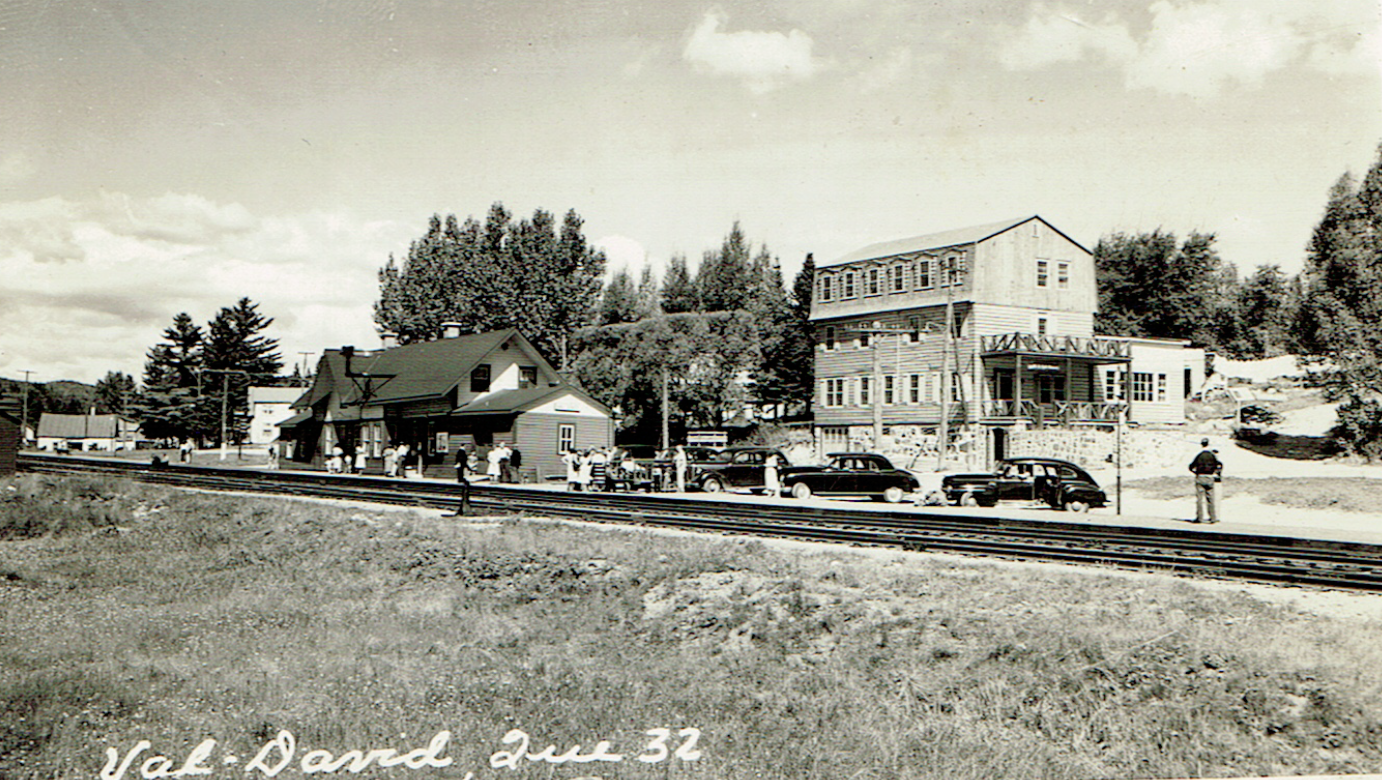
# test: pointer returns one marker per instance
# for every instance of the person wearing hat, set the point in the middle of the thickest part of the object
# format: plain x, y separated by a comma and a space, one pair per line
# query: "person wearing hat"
1208, 471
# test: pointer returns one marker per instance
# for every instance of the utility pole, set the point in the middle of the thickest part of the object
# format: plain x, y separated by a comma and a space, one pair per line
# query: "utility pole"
225, 398
666, 406
950, 278
24, 409
304, 356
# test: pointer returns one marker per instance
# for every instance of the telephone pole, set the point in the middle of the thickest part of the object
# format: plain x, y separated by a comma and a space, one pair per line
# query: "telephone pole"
24, 409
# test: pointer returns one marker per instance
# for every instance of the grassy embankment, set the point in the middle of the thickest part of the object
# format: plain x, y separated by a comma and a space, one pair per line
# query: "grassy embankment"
1344, 494
133, 612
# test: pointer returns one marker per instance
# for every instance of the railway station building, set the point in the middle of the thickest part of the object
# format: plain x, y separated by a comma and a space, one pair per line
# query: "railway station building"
437, 396
970, 335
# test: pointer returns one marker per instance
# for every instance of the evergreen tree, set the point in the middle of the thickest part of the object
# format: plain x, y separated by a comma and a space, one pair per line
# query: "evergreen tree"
679, 289
725, 280
114, 393
647, 302
620, 300
533, 275
1266, 308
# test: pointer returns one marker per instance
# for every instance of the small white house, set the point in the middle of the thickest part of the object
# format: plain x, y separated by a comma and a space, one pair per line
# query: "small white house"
270, 406
85, 432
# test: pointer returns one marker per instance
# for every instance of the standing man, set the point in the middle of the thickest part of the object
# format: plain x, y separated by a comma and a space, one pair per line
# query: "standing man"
1208, 471
463, 478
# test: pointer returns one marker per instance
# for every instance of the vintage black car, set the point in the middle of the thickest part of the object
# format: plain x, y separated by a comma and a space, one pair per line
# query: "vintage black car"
734, 468
1059, 483
851, 474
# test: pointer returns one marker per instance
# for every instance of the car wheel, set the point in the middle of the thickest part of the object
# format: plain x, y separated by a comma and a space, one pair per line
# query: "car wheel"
1076, 506
713, 485
968, 499
893, 495
801, 490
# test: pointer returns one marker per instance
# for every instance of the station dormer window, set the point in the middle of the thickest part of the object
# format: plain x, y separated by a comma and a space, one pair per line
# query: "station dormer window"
479, 379
527, 377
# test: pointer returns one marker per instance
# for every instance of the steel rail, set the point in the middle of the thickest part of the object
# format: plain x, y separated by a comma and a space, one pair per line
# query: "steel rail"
1198, 552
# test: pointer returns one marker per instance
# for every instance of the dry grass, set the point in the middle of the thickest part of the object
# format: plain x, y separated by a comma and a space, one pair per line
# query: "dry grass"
1345, 494
233, 618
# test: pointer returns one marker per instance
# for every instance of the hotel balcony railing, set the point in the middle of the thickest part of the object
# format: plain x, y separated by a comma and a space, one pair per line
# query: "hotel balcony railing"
1055, 412
1072, 346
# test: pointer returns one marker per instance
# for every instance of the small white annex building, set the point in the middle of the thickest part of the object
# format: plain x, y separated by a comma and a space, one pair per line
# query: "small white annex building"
270, 406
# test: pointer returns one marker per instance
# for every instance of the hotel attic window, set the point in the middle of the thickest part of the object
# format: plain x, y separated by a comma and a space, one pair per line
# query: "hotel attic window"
896, 279
875, 284
826, 285
924, 273
849, 285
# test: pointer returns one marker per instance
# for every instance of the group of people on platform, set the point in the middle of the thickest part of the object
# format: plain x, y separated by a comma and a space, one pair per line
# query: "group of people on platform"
503, 463
601, 469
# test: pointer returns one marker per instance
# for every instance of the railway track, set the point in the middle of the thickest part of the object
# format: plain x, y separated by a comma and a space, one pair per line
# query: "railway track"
1197, 552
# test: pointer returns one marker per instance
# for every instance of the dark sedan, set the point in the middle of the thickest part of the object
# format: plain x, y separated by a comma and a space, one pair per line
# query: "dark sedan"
851, 474
734, 468
1059, 483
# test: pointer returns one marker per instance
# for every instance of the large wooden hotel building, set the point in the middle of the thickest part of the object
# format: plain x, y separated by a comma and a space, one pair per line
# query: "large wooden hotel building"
1006, 313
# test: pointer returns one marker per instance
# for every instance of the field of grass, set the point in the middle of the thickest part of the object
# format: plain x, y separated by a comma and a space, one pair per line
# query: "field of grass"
132, 612
1344, 494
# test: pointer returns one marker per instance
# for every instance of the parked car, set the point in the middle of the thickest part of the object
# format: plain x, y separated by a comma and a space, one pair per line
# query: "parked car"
851, 474
1059, 483
735, 468
642, 478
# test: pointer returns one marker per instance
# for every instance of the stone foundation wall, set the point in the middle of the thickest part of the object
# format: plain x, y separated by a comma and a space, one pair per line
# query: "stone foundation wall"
1092, 448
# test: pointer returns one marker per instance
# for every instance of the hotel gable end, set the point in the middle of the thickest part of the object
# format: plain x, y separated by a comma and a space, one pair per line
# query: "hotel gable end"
1021, 354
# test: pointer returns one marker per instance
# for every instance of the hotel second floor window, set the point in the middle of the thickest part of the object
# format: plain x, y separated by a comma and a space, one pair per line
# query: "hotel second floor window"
1043, 273
889, 390
830, 338
527, 377
875, 285
914, 389
865, 386
826, 284
1141, 386
834, 392
479, 379
848, 292
924, 273
1063, 276
896, 280
865, 339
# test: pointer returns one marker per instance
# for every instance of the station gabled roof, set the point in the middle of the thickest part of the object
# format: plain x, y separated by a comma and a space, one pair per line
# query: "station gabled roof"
942, 240
429, 369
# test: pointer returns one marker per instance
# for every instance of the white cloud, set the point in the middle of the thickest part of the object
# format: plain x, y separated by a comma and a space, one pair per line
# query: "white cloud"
762, 60
91, 285
1200, 48
889, 68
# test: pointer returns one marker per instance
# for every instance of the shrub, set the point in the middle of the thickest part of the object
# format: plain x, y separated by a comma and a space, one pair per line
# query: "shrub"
1359, 427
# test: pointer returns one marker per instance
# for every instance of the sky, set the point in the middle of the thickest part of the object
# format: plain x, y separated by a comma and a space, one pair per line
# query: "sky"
159, 157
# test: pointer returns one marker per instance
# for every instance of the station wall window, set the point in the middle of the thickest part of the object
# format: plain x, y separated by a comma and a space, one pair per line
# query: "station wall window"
566, 437
1161, 388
